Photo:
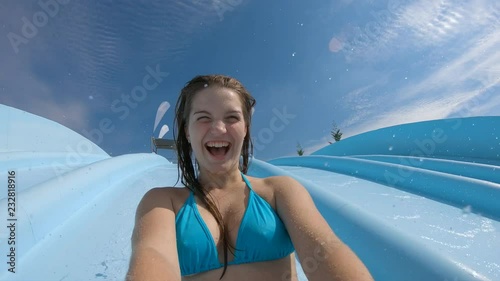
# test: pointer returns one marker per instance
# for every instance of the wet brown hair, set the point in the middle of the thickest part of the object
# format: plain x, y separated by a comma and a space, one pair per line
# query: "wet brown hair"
184, 150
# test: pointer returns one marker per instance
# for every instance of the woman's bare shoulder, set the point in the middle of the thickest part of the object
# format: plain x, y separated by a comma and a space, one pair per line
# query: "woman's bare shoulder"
270, 187
176, 195
271, 181
279, 182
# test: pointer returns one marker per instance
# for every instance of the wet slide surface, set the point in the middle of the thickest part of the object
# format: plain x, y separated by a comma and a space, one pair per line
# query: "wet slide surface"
416, 201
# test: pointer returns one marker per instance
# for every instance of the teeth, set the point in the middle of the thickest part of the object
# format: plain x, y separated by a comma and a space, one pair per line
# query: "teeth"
217, 144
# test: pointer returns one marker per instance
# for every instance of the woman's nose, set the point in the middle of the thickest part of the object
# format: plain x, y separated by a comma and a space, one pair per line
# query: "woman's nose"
219, 127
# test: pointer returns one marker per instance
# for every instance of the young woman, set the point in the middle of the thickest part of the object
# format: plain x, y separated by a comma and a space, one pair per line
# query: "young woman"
225, 224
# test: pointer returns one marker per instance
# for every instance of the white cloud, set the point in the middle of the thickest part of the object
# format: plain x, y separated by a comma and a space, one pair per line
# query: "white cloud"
363, 101
317, 144
479, 63
432, 21
418, 25
463, 86
358, 100
491, 108
36, 97
420, 110
25, 91
485, 101
96, 47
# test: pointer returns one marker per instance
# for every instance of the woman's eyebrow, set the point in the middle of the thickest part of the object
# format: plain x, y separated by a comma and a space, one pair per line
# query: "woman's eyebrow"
201, 112
206, 112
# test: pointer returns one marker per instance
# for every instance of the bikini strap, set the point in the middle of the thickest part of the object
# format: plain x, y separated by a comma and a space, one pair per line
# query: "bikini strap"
246, 181
191, 197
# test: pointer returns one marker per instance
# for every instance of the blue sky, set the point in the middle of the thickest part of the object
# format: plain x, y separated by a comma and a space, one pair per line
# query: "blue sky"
363, 64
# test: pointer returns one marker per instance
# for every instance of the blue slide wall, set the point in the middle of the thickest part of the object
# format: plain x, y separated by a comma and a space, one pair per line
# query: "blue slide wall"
415, 201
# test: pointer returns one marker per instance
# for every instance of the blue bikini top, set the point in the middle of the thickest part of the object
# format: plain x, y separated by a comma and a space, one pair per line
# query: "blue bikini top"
262, 236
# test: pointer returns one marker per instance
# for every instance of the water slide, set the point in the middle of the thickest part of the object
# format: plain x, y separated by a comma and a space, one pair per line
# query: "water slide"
416, 201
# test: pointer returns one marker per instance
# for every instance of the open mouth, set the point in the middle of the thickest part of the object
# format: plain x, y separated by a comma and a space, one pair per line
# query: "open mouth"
218, 148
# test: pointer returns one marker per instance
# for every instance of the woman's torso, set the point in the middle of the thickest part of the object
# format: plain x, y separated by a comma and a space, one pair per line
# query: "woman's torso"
232, 206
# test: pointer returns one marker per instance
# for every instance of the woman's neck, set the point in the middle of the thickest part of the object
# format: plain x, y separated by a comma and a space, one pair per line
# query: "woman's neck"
219, 181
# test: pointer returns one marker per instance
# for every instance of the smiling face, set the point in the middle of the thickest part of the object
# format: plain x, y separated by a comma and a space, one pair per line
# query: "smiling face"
216, 129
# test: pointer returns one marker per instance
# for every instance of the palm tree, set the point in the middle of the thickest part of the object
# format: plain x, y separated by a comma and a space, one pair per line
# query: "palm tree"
300, 151
336, 133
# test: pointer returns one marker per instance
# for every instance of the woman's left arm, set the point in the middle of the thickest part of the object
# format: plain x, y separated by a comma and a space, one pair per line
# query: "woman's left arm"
322, 254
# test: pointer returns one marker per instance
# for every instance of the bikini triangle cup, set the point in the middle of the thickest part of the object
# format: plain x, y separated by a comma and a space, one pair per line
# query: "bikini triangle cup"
262, 236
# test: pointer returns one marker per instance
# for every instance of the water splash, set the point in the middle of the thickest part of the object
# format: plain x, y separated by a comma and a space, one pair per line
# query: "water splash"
164, 129
467, 210
160, 112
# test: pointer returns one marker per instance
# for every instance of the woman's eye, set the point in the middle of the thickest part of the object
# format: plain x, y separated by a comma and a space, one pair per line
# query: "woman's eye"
234, 118
202, 118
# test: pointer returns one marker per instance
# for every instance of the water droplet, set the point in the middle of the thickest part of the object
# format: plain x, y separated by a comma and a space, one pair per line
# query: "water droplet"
390, 148
394, 135
467, 210
293, 54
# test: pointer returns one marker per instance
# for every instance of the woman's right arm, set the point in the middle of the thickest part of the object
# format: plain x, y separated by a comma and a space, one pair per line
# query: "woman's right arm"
154, 247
